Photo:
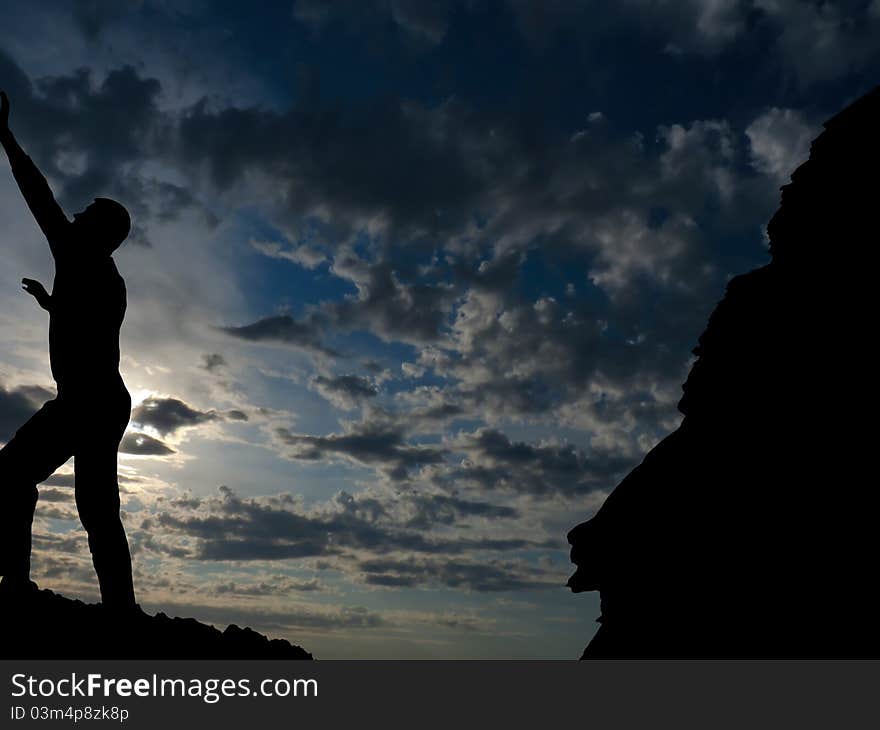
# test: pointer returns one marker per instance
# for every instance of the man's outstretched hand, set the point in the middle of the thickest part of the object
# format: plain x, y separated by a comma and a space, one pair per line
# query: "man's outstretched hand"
37, 291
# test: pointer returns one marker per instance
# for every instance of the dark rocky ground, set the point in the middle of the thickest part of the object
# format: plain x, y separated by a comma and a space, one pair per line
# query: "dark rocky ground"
44, 625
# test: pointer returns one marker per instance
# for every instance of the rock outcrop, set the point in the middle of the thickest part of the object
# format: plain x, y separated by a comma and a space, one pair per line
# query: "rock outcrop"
752, 530
44, 625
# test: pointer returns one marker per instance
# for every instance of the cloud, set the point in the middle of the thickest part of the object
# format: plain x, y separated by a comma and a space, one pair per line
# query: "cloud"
213, 362
70, 544
94, 16
806, 40
588, 204
701, 153
419, 21
142, 445
704, 26
18, 405
428, 21
378, 446
283, 329
428, 510
279, 586
396, 310
494, 462
492, 576
309, 257
345, 391
344, 169
55, 495
485, 459
58, 513
169, 415
229, 527
780, 141
110, 125
520, 359
821, 41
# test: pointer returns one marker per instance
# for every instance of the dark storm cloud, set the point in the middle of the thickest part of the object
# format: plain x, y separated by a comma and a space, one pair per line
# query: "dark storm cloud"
415, 311
168, 415
62, 566
93, 16
355, 162
420, 21
441, 509
808, 40
586, 199
141, 541
58, 513
283, 329
436, 414
56, 495
511, 357
142, 445
279, 586
75, 543
692, 26
485, 459
18, 405
90, 137
820, 41
234, 528
486, 577
381, 447
494, 462
345, 391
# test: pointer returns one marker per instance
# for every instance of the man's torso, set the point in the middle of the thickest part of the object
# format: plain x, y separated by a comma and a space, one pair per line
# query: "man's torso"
88, 306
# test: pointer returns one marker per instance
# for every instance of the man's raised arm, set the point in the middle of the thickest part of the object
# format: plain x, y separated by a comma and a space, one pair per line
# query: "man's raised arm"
32, 184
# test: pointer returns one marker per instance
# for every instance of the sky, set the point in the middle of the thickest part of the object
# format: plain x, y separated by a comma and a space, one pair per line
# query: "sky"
411, 284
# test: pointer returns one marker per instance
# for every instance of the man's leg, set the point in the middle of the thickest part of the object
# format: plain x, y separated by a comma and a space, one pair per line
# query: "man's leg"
38, 448
97, 499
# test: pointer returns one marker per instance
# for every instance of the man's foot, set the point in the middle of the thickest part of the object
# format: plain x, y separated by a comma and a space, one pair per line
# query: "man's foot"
124, 612
12, 588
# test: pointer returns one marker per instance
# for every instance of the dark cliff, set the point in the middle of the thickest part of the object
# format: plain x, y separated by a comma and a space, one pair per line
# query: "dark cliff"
45, 625
751, 531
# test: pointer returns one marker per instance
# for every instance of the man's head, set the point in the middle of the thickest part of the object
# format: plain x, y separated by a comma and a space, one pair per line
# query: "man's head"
105, 222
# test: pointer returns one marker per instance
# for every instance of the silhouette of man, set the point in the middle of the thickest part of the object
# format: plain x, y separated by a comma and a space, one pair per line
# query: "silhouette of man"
89, 415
